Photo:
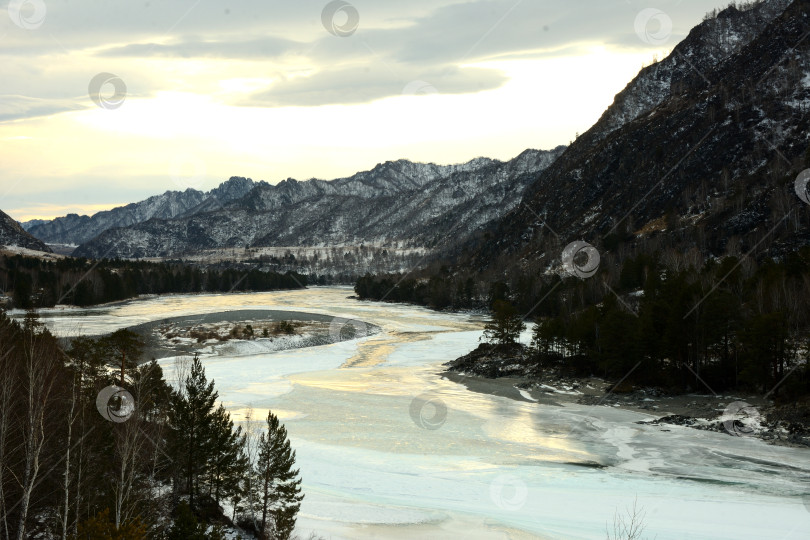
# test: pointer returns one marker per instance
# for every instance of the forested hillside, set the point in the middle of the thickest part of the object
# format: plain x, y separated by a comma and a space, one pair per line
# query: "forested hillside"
80, 457
665, 318
669, 243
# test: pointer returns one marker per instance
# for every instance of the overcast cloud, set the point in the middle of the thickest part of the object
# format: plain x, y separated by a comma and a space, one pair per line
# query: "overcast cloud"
287, 44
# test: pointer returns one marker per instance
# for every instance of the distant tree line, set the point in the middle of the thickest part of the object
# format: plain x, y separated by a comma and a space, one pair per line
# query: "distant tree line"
160, 470
667, 319
324, 265
439, 290
337, 264
33, 282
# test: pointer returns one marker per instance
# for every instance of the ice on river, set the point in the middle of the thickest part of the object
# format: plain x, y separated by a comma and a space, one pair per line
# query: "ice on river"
389, 449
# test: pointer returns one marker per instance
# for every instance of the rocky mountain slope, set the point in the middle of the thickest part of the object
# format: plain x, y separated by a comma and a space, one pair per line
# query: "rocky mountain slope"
707, 163
706, 46
398, 204
75, 229
12, 234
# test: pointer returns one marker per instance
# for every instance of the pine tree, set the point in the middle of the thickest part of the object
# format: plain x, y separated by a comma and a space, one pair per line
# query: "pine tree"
191, 416
278, 483
151, 391
506, 325
123, 347
228, 461
185, 525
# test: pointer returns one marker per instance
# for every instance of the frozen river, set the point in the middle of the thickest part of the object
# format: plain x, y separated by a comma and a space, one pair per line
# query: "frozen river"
389, 449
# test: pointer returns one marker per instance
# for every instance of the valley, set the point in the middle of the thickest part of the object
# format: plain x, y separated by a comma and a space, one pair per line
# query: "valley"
426, 456
453, 324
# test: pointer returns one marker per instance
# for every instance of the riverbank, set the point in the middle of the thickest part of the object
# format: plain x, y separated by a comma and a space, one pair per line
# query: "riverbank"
493, 467
245, 332
735, 414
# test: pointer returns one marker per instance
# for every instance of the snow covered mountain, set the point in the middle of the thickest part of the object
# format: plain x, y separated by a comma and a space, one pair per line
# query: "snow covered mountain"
700, 140
701, 151
720, 36
12, 234
75, 229
399, 204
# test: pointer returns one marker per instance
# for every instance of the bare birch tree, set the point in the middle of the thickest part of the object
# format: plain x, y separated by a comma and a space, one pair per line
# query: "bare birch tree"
68, 443
38, 381
6, 394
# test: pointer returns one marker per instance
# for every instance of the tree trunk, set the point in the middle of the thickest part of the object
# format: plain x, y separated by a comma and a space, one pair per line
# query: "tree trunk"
67, 461
265, 500
78, 498
6, 389
38, 387
189, 473
80, 455
129, 443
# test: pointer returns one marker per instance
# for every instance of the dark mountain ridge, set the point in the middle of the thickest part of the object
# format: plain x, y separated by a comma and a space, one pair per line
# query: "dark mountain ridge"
12, 234
711, 166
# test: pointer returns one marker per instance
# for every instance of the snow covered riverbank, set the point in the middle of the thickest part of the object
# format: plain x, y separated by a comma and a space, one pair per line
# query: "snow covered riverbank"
389, 448
245, 332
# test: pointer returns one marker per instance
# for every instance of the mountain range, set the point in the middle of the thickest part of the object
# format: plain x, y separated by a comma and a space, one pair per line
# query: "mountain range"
396, 204
75, 229
700, 149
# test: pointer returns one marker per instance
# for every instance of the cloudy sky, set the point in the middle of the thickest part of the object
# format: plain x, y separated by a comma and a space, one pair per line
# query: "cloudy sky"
104, 103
